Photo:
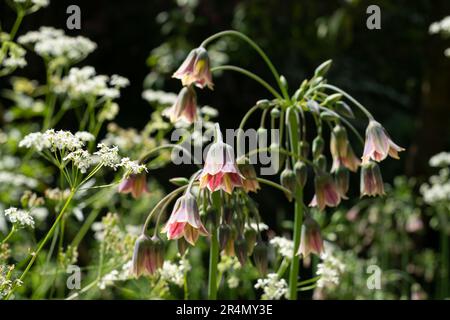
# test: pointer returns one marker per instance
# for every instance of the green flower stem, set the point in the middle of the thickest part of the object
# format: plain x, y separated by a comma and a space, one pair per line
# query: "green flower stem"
295, 262
250, 75
145, 157
283, 267
13, 229
349, 97
44, 241
17, 23
274, 185
257, 48
242, 125
214, 252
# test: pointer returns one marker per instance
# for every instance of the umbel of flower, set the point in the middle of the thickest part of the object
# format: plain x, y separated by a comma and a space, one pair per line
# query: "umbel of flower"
136, 184
371, 181
195, 69
185, 220
148, 255
249, 184
311, 239
220, 170
185, 107
341, 150
378, 144
327, 193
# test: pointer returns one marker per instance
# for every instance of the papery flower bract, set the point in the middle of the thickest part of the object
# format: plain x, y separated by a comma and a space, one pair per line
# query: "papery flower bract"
148, 255
220, 170
311, 239
378, 144
195, 69
185, 107
185, 220
136, 184
327, 193
371, 180
249, 184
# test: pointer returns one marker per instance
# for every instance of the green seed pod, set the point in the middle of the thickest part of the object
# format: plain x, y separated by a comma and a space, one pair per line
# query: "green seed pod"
301, 173
240, 248
317, 147
260, 254
288, 180
250, 238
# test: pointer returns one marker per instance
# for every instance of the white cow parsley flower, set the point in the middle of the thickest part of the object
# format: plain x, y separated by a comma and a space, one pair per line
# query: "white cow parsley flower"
132, 167
274, 288
285, 247
108, 156
119, 81
174, 273
84, 136
18, 217
330, 270
35, 140
441, 159
82, 159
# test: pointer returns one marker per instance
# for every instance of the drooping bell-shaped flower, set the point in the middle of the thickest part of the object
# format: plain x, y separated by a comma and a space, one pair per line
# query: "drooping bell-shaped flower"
341, 150
371, 180
311, 239
327, 194
196, 69
220, 170
249, 184
148, 255
378, 144
341, 177
136, 184
185, 107
185, 220
260, 256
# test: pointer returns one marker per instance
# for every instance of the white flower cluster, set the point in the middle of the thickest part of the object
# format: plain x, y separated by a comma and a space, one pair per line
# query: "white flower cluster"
174, 273
438, 189
6, 284
37, 3
161, 97
442, 27
20, 218
52, 43
330, 270
84, 82
285, 247
274, 288
116, 275
17, 180
14, 57
55, 140
441, 159
81, 159
132, 167
108, 156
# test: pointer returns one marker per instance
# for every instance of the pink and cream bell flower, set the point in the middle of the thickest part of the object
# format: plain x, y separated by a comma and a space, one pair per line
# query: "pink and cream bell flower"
371, 180
311, 239
136, 184
327, 193
195, 69
185, 107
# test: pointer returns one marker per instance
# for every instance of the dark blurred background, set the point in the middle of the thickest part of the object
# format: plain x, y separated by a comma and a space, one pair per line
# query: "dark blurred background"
399, 72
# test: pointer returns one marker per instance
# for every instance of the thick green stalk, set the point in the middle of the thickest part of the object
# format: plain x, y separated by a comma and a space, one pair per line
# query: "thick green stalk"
214, 252
295, 261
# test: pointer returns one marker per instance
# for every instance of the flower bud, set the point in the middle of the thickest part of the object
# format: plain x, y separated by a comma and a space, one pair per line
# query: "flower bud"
249, 184
275, 113
260, 253
304, 149
225, 234
148, 255
301, 173
321, 163
338, 142
288, 180
240, 248
311, 240
343, 109
263, 104
182, 246
250, 238
322, 69
342, 181
317, 147
371, 180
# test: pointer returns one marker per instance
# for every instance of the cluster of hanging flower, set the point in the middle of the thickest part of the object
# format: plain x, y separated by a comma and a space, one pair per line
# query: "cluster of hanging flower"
222, 171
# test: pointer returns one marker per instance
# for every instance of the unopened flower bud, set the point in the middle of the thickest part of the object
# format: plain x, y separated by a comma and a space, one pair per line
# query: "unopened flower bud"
343, 109
148, 255
240, 248
288, 180
260, 253
338, 142
317, 146
263, 104
249, 184
321, 162
371, 180
225, 234
301, 173
342, 181
275, 113
304, 149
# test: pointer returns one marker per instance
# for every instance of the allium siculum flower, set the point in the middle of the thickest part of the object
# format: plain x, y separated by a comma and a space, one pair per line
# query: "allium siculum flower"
327, 194
371, 180
185, 107
311, 239
185, 220
148, 255
136, 184
341, 177
220, 170
195, 69
249, 184
342, 151
378, 144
